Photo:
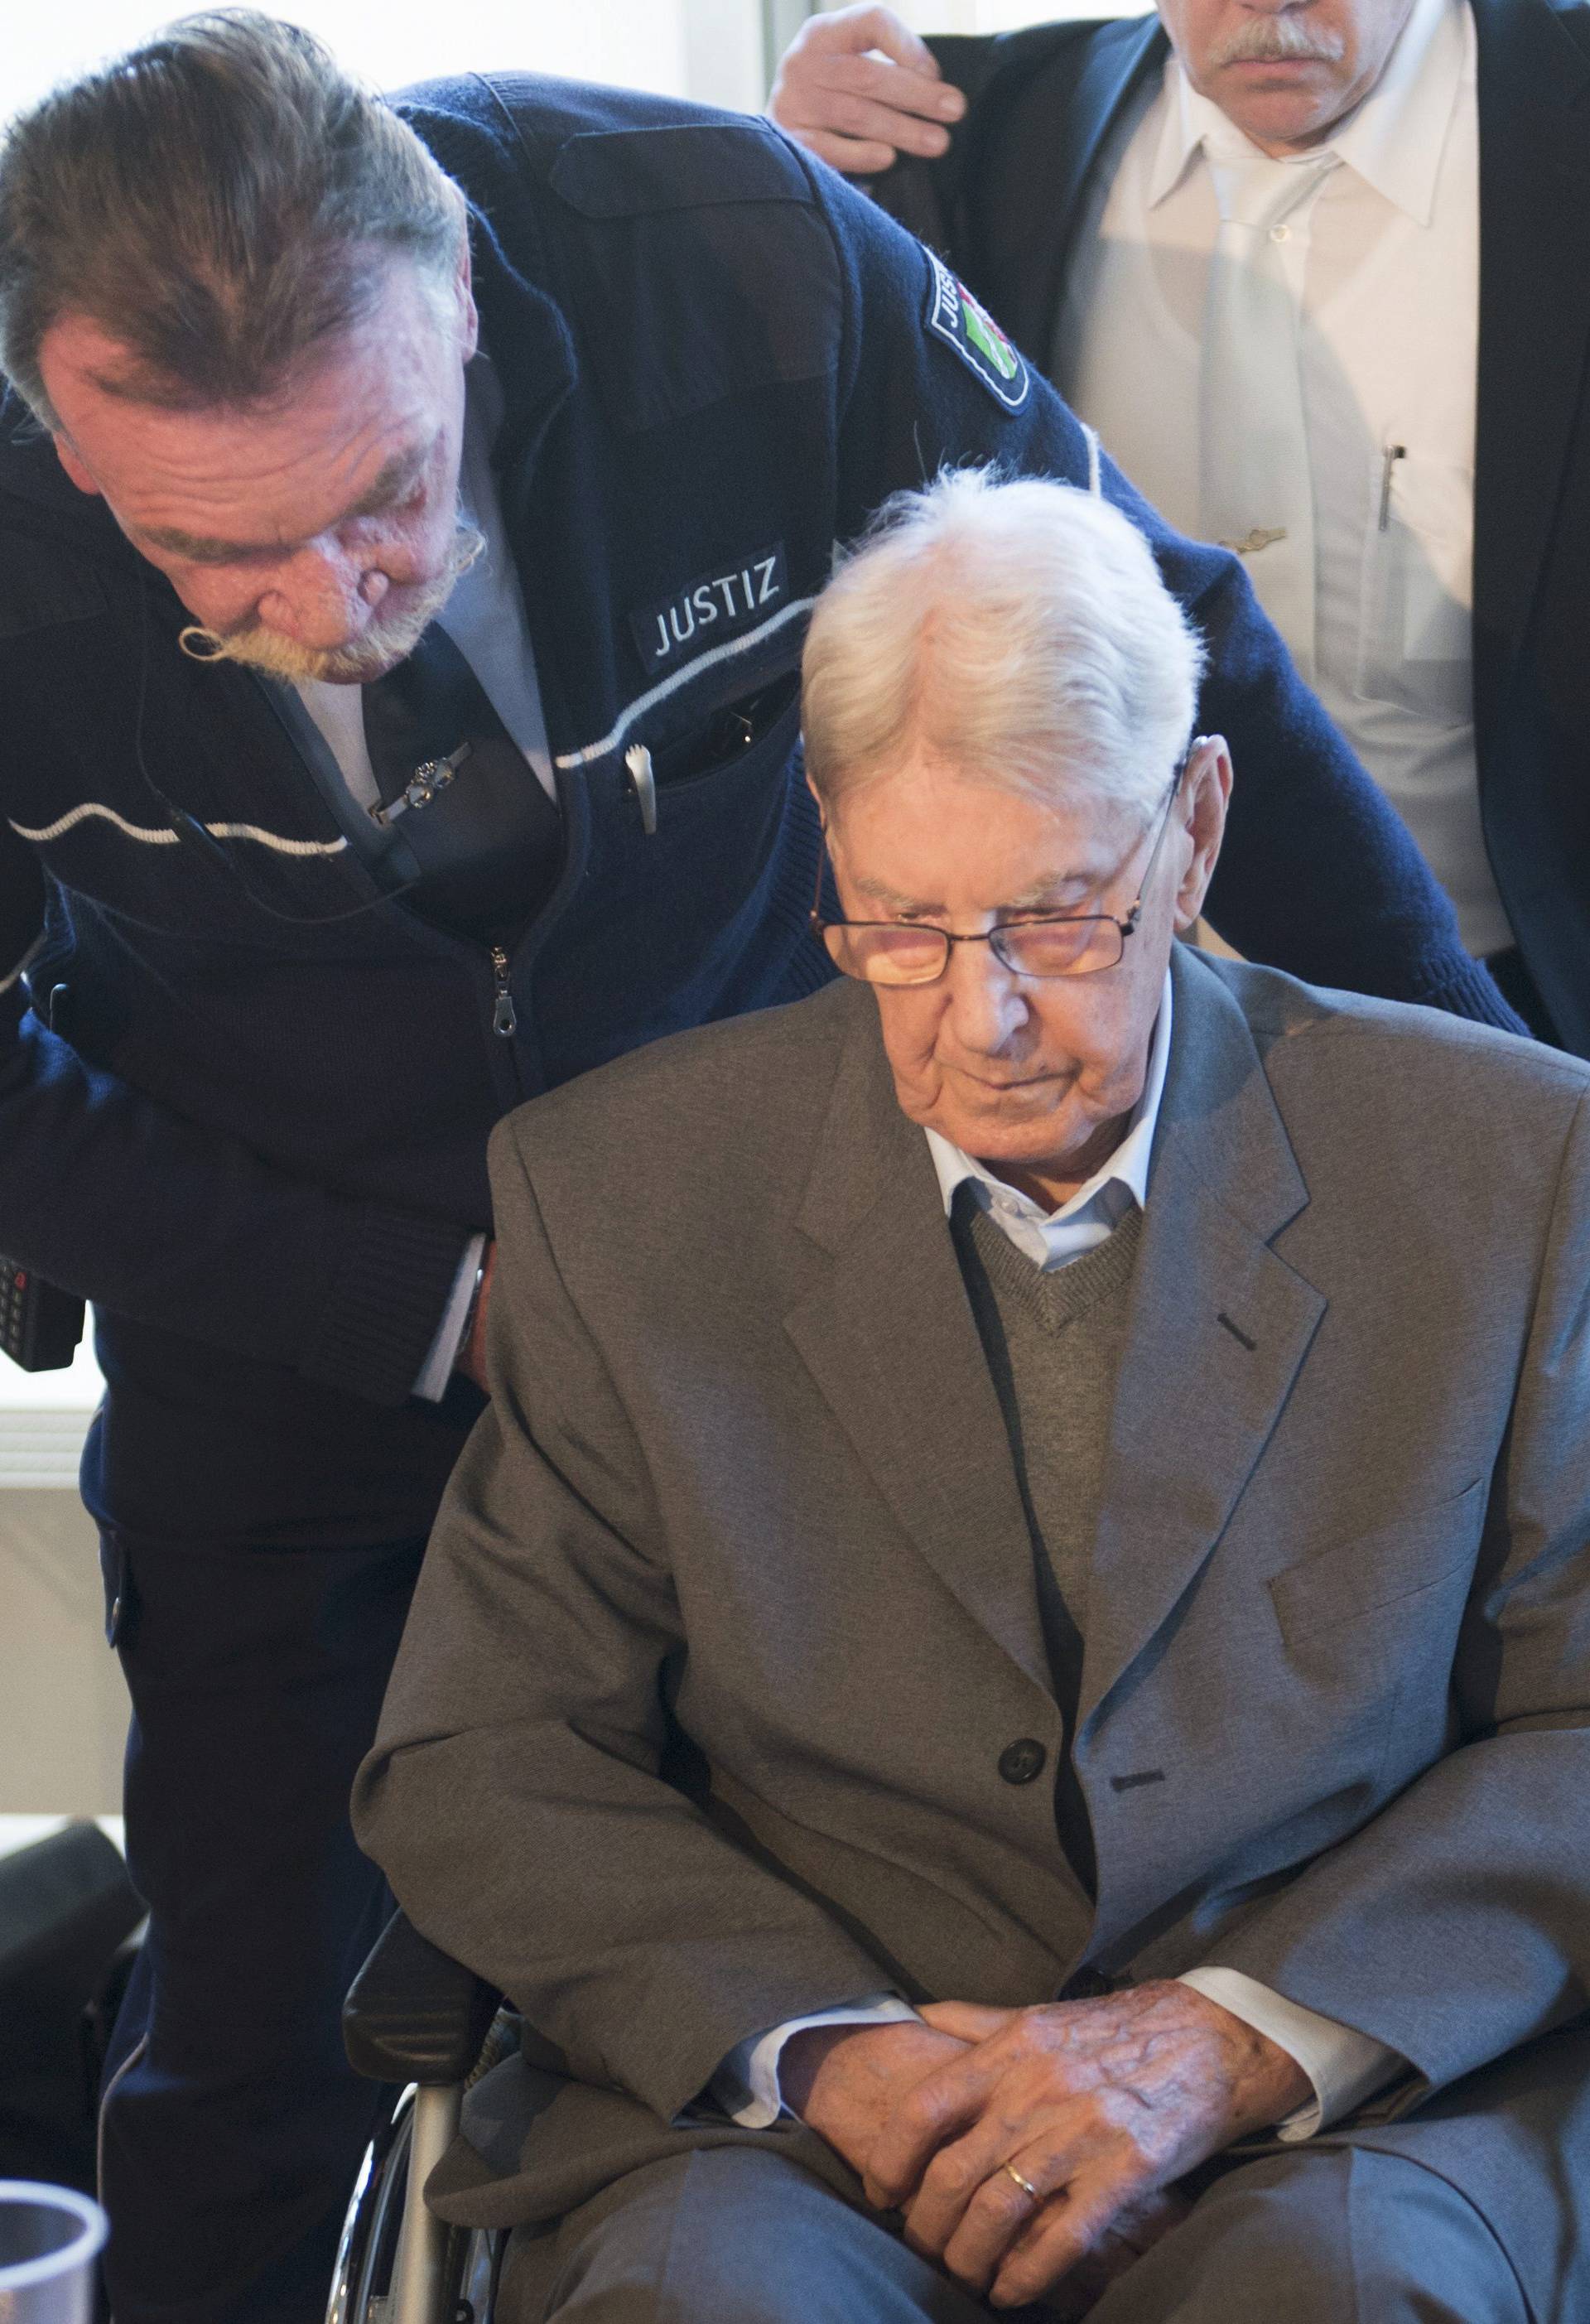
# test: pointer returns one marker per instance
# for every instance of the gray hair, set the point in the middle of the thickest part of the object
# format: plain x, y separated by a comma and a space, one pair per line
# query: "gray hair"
221, 201
1018, 631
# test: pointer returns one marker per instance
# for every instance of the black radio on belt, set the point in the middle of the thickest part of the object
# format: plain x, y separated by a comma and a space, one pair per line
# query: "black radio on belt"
40, 1326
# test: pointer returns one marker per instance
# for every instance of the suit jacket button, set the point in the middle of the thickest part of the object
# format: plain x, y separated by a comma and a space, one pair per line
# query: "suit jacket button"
1021, 1762
1086, 1985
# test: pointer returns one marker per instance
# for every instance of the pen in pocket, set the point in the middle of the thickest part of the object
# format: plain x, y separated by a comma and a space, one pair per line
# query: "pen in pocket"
1393, 453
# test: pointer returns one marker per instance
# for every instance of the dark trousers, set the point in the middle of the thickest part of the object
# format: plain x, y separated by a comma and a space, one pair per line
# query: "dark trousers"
256, 1654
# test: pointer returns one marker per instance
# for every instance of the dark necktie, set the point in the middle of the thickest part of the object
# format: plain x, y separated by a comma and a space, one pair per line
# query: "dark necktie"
455, 790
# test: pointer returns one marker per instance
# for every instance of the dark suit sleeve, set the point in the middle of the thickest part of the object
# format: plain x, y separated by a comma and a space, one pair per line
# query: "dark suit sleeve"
1457, 1924
629, 1930
1318, 875
926, 196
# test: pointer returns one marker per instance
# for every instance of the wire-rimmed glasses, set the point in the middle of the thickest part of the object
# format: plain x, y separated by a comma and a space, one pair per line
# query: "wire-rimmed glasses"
1061, 944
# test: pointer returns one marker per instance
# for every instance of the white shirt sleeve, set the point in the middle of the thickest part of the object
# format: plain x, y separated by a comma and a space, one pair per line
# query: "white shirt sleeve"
746, 2085
445, 1349
1345, 2066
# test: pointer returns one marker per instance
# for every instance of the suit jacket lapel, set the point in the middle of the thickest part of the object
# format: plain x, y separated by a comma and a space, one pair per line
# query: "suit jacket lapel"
1534, 78
1029, 242
889, 1337
1219, 1327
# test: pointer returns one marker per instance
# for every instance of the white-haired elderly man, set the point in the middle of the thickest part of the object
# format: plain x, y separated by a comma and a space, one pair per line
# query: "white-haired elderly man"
1004, 1676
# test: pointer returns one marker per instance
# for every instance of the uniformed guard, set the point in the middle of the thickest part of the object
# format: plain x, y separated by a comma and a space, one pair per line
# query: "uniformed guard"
408, 520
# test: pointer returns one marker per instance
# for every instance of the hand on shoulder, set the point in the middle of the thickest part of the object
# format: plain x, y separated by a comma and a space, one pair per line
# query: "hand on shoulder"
857, 89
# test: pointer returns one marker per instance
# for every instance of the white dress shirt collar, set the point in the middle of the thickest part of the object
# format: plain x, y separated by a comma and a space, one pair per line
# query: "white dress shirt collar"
1393, 141
1051, 1238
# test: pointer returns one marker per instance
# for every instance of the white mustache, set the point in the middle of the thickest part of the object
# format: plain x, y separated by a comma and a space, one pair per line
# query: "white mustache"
1279, 40
389, 640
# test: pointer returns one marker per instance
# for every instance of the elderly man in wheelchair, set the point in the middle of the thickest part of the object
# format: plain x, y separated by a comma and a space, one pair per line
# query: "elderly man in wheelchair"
1002, 1685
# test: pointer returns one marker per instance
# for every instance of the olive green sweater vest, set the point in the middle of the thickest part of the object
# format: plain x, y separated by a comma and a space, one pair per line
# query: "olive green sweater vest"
1055, 1343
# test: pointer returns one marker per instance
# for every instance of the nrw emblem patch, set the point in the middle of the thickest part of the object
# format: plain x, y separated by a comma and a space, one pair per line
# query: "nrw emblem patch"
965, 324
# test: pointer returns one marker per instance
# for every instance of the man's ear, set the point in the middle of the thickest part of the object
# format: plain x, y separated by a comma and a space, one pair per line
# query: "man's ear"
71, 461
1208, 788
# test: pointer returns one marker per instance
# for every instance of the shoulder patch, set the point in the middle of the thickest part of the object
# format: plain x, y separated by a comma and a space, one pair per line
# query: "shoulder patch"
639, 172
965, 324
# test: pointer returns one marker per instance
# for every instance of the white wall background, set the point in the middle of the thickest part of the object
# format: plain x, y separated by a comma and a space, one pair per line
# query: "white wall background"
706, 48
639, 42
998, 16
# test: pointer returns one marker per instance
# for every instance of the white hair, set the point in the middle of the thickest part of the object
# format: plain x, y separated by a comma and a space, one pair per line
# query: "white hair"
1018, 633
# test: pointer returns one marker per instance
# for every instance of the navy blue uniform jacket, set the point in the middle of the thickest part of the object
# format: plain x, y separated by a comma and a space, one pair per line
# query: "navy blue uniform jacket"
262, 1128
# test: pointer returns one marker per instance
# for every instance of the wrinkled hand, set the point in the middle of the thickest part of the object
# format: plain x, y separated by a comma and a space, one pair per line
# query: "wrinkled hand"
1098, 2103
858, 109
846, 2080
471, 1360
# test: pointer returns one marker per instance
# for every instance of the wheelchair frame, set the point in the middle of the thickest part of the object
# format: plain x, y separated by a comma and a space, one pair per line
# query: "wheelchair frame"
416, 2018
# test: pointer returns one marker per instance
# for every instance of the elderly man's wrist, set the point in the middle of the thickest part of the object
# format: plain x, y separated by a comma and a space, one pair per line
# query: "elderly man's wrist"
802, 2058
1271, 2084
832, 2094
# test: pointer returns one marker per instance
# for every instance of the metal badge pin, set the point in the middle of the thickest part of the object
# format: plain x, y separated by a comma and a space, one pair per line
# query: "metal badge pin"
431, 776
643, 784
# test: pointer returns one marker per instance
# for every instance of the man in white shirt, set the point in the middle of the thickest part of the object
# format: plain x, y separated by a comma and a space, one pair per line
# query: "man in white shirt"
1005, 1673
1314, 270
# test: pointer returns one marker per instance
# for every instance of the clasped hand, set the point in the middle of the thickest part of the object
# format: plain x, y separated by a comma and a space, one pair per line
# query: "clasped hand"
1097, 2105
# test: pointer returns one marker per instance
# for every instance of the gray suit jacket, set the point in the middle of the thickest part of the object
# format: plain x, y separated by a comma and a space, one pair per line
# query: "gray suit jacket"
729, 1612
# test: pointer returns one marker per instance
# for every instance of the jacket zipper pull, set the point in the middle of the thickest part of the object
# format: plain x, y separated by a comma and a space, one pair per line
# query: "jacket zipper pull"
505, 1018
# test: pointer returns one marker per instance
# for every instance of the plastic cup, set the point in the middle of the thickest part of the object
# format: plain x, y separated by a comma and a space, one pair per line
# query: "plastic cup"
50, 2239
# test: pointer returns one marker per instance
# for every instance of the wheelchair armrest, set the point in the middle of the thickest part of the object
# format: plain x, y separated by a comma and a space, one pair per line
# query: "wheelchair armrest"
413, 2014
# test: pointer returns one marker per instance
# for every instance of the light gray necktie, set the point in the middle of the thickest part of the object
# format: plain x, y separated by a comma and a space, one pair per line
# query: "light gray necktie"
1256, 490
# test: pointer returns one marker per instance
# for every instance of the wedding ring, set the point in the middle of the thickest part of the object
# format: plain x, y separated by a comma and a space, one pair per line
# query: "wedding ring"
1025, 2185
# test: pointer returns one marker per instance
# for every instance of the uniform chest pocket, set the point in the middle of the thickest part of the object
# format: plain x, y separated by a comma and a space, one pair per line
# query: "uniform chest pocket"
728, 737
680, 844
1415, 646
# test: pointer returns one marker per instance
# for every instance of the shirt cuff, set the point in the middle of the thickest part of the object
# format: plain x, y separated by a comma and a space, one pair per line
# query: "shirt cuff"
746, 2085
448, 1344
1345, 2066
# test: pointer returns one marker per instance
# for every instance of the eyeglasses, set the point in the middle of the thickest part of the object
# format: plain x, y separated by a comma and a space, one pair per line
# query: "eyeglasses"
1069, 944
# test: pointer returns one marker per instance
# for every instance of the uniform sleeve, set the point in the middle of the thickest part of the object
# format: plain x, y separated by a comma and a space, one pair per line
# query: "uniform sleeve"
1318, 875
114, 1197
